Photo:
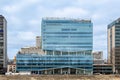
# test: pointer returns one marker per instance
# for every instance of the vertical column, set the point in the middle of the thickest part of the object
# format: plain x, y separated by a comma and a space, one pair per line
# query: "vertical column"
68, 70
61, 53
76, 71
61, 70
45, 52
53, 71
45, 71
84, 71
84, 53
38, 72
53, 53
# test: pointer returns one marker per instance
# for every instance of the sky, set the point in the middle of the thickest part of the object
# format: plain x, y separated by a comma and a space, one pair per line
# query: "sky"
24, 19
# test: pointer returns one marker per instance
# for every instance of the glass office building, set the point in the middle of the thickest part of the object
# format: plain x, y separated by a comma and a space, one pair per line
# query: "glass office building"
69, 35
67, 44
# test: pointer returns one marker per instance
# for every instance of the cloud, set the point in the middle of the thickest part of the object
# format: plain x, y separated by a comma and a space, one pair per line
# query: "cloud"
34, 22
24, 18
17, 6
20, 39
17, 40
11, 8
71, 12
26, 36
92, 2
96, 16
15, 20
99, 29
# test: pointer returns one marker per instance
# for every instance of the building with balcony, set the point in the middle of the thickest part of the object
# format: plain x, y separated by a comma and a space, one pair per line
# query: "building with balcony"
114, 45
3, 44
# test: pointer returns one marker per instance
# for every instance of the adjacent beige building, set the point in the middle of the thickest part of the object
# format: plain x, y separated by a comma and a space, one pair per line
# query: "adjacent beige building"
98, 57
38, 42
114, 45
11, 68
33, 49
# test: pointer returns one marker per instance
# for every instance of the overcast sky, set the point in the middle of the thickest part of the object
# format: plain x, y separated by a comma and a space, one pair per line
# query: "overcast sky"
24, 19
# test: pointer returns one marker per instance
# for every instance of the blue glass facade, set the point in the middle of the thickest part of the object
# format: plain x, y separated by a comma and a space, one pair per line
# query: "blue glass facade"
67, 34
76, 64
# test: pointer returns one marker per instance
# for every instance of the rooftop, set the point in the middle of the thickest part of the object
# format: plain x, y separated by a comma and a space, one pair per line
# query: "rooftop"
113, 23
64, 18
